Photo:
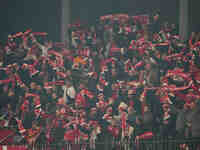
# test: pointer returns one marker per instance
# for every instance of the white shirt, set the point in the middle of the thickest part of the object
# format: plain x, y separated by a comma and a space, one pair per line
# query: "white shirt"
44, 50
69, 92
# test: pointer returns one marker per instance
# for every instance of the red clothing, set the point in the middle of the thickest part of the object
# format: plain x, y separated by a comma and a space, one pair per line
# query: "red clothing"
114, 131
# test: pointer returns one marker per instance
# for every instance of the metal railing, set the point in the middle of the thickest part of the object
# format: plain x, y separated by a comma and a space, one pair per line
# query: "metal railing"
156, 143
169, 143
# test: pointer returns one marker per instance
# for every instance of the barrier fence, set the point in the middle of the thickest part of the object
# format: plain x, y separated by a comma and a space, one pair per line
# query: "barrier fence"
156, 143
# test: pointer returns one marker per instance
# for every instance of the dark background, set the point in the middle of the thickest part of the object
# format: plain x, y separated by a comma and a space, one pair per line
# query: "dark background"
169, 8
194, 15
40, 15
44, 15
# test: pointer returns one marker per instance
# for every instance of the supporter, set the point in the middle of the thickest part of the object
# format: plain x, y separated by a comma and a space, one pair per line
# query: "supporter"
69, 93
168, 122
118, 81
156, 23
181, 120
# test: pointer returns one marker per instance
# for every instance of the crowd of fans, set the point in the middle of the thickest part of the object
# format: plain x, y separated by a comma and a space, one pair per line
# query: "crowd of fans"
122, 79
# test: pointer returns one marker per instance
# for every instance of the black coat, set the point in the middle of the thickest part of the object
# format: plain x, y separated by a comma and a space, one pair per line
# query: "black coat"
169, 129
